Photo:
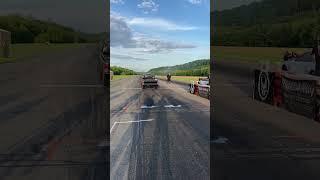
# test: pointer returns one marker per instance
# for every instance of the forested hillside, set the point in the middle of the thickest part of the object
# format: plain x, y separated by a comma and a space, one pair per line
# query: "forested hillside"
194, 68
279, 23
122, 71
30, 30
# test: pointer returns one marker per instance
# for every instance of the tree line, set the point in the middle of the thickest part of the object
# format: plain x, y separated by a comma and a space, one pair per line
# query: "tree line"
285, 23
30, 30
194, 68
122, 71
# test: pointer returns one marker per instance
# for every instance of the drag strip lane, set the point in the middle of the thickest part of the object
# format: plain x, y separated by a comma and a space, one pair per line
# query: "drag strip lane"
174, 145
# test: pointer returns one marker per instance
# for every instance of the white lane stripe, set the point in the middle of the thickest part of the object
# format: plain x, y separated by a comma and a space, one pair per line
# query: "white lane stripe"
172, 106
220, 140
148, 107
166, 106
128, 122
113, 127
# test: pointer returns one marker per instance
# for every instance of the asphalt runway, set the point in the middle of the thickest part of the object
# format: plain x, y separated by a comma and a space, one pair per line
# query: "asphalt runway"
49, 106
254, 140
159, 133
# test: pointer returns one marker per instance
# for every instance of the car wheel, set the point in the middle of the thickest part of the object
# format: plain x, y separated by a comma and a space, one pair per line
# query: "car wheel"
191, 89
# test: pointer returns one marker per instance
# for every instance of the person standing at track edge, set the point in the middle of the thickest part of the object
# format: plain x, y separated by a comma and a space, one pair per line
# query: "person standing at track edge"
168, 77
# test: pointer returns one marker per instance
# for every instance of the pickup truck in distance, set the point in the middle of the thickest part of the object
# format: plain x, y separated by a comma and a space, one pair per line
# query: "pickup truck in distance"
149, 80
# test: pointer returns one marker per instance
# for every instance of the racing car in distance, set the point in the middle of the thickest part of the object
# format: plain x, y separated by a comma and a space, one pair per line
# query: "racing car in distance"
149, 80
200, 87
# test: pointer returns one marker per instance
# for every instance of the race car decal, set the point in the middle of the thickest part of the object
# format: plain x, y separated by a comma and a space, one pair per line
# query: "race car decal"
263, 85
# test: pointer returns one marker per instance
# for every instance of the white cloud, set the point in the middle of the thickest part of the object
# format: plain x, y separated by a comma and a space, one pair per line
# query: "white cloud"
160, 24
117, 1
121, 35
152, 45
195, 1
120, 32
127, 57
148, 6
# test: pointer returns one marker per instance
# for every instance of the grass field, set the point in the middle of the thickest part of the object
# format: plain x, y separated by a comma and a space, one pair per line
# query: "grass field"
21, 51
252, 54
117, 77
185, 79
6, 60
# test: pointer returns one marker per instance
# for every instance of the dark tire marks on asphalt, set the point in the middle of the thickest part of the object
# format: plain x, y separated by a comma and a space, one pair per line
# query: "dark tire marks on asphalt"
149, 160
174, 145
20, 109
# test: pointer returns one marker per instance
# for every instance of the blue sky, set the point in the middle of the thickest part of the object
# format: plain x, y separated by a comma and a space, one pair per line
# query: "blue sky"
145, 34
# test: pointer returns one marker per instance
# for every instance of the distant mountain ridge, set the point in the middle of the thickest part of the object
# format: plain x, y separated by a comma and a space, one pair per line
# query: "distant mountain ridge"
279, 23
223, 5
266, 11
194, 68
29, 30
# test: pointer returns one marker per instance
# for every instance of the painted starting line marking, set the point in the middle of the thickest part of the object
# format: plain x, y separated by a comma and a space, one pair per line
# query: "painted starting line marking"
166, 106
220, 140
128, 122
148, 107
172, 106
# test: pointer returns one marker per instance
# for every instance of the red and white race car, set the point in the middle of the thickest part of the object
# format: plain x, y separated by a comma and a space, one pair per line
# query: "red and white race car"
200, 87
